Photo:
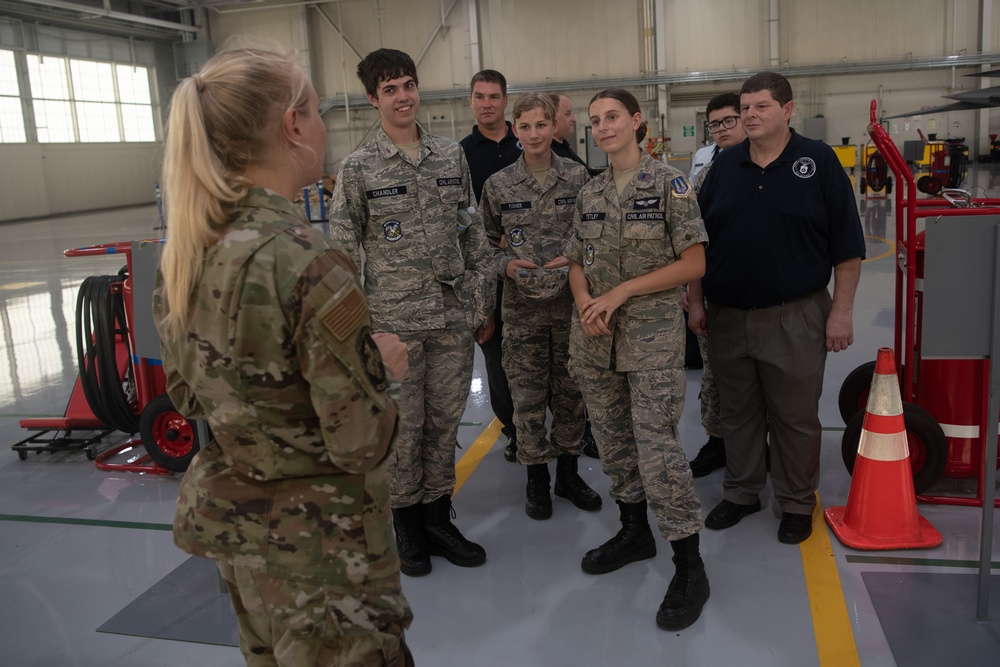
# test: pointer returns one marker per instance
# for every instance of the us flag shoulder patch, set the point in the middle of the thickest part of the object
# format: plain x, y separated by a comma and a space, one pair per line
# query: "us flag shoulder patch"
344, 316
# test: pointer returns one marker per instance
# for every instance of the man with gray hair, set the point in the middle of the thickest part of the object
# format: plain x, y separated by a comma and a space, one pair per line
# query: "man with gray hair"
565, 135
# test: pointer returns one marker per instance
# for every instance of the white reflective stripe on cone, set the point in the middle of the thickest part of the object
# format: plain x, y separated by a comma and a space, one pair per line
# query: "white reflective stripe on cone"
883, 446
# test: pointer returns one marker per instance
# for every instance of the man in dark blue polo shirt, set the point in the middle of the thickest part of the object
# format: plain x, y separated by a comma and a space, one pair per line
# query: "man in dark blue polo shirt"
781, 218
491, 147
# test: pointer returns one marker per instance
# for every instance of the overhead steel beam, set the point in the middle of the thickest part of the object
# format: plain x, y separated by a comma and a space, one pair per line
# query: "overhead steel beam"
841, 68
339, 30
434, 33
60, 19
117, 16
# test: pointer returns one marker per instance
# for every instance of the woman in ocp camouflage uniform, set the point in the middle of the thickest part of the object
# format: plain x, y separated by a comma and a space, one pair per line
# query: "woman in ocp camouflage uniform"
638, 236
265, 334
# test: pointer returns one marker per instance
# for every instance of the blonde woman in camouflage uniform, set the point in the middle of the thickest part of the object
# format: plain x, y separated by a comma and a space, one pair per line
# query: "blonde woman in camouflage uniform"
638, 237
531, 202
266, 335
406, 198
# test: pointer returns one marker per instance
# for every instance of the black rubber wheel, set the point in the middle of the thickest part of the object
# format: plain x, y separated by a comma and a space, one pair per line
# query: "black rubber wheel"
169, 438
863, 185
925, 440
853, 397
23, 455
922, 184
933, 185
888, 186
91, 453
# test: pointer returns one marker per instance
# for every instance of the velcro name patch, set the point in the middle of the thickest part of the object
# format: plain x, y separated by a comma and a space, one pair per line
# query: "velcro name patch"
386, 192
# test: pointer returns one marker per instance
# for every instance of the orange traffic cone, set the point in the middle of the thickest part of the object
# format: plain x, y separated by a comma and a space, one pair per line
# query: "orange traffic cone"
881, 510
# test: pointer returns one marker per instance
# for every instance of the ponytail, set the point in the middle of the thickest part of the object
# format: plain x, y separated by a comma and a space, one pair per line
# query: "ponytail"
221, 120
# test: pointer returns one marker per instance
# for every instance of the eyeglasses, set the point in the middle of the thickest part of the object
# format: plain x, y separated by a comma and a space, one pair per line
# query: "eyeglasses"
729, 122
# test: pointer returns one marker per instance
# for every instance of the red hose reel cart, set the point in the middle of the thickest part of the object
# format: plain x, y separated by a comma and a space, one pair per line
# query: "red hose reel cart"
117, 388
945, 401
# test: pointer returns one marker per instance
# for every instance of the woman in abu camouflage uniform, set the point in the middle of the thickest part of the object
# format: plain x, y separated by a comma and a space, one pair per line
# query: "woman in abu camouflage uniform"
638, 236
266, 335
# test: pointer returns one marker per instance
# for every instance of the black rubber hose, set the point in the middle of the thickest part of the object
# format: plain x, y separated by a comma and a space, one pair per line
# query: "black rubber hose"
100, 320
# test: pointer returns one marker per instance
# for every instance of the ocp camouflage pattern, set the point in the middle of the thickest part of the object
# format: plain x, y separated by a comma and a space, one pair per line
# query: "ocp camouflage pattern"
276, 359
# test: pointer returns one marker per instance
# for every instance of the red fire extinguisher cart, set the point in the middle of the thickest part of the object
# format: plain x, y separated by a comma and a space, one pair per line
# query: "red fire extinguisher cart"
945, 401
118, 388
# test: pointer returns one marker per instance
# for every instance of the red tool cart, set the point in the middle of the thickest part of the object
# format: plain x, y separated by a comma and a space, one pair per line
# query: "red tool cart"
117, 389
945, 401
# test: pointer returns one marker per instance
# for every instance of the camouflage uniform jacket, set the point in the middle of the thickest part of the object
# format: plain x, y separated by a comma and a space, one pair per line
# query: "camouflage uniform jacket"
414, 224
538, 221
278, 358
620, 238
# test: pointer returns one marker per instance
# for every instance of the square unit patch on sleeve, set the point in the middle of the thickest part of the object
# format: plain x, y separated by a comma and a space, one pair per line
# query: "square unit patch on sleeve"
344, 317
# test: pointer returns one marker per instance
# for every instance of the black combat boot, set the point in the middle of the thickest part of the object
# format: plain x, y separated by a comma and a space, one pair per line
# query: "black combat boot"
571, 486
712, 456
633, 542
538, 501
414, 561
588, 446
443, 538
688, 590
510, 451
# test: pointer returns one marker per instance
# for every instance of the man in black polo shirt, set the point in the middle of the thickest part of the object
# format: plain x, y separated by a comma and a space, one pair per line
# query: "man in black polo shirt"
491, 147
781, 217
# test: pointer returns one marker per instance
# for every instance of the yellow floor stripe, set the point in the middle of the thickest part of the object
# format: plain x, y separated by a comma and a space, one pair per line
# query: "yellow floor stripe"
474, 454
887, 253
831, 623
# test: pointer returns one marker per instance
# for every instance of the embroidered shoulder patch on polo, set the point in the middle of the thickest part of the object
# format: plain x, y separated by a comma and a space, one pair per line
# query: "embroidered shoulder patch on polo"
680, 186
344, 316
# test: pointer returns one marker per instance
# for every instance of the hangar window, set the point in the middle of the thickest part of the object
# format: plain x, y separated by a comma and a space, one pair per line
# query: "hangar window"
11, 116
90, 101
